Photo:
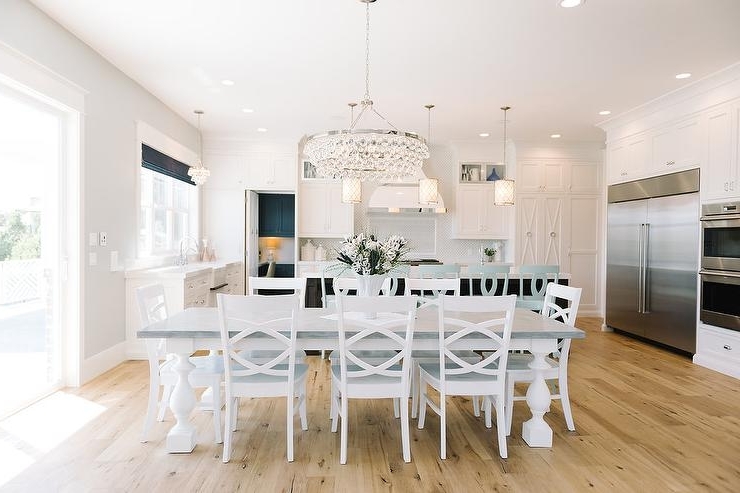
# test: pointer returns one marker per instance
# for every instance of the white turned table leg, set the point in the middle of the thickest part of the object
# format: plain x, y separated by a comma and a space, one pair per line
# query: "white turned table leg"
182, 438
206, 398
535, 431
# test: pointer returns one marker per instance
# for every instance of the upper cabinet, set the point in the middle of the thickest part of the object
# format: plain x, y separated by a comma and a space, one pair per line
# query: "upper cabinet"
678, 146
322, 212
271, 171
719, 178
627, 159
476, 217
277, 215
557, 176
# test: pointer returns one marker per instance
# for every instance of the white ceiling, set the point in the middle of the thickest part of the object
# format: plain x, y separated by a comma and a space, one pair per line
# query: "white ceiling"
298, 63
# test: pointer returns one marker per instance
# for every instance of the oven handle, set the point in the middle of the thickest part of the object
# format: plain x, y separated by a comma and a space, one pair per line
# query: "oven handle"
729, 277
720, 217
222, 285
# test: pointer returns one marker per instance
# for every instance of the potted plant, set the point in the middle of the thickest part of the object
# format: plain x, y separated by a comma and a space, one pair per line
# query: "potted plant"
489, 252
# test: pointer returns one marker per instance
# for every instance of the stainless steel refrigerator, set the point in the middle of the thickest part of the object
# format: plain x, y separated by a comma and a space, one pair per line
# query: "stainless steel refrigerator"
652, 258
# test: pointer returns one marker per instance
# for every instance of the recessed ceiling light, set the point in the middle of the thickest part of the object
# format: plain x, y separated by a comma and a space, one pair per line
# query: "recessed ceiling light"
605, 112
262, 129
683, 75
555, 136
227, 82
247, 110
484, 134
571, 3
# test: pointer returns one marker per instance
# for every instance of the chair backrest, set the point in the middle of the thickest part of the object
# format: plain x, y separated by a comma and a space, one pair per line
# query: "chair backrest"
430, 289
538, 276
268, 317
392, 329
491, 277
496, 316
443, 271
398, 273
551, 309
296, 284
331, 272
152, 308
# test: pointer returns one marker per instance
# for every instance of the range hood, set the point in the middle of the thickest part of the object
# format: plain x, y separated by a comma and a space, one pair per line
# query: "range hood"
402, 197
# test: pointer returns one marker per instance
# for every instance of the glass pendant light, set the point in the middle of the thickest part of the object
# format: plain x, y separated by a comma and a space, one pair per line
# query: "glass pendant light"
199, 173
503, 189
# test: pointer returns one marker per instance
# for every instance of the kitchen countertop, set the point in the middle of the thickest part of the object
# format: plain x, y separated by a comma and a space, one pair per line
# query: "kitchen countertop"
179, 271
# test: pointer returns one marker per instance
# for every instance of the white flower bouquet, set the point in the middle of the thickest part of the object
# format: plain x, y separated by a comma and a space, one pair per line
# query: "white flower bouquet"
368, 256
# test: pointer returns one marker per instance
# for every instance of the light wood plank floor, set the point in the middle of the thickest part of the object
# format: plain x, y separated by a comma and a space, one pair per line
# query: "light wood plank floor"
646, 420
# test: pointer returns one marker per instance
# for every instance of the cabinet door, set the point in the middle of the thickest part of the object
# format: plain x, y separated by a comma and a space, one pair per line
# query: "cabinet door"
312, 202
582, 258
556, 176
585, 178
664, 150
468, 217
719, 175
496, 218
529, 177
690, 143
615, 162
528, 225
552, 235
638, 156
340, 216
271, 171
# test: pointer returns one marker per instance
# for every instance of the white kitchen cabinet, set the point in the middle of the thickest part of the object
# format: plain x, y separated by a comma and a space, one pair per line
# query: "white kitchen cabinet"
321, 212
628, 158
558, 176
271, 171
540, 232
720, 175
476, 217
718, 349
678, 146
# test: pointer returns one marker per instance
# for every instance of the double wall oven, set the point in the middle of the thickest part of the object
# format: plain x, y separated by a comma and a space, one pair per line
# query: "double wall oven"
720, 265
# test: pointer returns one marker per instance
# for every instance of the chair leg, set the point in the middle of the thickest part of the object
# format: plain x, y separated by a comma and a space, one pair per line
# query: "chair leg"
405, 442
343, 415
487, 404
442, 425
396, 406
289, 399
228, 429
217, 410
302, 406
509, 400
476, 406
165, 402
415, 377
235, 414
501, 427
565, 401
422, 404
151, 410
335, 401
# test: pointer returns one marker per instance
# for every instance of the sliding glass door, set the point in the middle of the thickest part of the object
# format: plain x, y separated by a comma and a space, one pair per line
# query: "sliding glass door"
31, 228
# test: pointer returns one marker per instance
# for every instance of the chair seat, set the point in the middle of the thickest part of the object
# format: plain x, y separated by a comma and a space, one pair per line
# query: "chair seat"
300, 372
520, 362
368, 355
372, 386
265, 355
432, 370
433, 356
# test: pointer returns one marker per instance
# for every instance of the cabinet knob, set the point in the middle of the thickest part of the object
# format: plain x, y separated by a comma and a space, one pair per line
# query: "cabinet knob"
727, 347
552, 234
623, 173
727, 186
529, 234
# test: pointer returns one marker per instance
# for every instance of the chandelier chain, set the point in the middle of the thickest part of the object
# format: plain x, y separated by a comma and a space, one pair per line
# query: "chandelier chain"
367, 52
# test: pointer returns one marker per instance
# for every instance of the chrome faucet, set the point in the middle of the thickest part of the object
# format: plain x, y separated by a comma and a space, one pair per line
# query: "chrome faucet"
185, 248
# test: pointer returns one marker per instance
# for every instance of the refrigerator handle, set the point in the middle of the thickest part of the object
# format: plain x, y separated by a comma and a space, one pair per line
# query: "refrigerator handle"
645, 267
640, 240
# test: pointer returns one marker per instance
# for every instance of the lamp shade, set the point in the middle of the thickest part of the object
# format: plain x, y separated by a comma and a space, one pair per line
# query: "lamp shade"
428, 191
503, 192
351, 190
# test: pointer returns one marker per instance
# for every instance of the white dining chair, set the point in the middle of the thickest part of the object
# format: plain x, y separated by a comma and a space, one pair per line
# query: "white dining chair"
272, 318
538, 276
452, 375
518, 364
331, 273
358, 378
491, 277
429, 291
208, 371
295, 284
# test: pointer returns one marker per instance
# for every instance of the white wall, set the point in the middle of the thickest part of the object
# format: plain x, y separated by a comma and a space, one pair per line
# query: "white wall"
113, 104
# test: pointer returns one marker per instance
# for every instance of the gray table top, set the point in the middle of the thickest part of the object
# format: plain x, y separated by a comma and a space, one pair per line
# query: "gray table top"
202, 323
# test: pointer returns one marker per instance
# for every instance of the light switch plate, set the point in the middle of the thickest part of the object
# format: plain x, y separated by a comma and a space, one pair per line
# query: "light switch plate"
93, 239
103, 236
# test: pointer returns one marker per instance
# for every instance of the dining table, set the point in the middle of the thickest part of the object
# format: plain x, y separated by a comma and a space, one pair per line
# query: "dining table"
197, 328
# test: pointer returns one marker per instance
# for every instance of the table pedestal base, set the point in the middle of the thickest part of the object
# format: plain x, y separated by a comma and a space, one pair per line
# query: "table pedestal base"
535, 431
182, 437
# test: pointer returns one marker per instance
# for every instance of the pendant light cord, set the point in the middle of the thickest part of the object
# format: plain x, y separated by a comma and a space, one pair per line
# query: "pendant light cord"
367, 52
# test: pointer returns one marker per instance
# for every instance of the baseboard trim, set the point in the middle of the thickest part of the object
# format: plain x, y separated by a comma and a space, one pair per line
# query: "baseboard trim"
717, 365
100, 363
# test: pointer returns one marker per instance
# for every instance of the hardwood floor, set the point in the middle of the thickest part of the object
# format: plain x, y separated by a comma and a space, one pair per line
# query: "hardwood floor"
646, 420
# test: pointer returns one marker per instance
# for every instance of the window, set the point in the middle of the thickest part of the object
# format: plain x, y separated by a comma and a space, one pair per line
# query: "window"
168, 206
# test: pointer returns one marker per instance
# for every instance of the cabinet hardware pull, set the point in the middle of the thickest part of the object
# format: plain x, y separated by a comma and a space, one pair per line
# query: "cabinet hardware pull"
671, 163
728, 347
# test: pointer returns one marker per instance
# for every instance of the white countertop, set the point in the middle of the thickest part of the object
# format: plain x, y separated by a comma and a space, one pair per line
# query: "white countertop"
179, 271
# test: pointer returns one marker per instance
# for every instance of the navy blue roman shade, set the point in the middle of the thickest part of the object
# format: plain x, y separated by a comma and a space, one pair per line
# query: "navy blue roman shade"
162, 163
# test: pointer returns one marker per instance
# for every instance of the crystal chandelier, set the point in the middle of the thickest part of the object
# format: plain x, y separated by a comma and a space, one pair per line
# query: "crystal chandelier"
199, 174
367, 154
503, 189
